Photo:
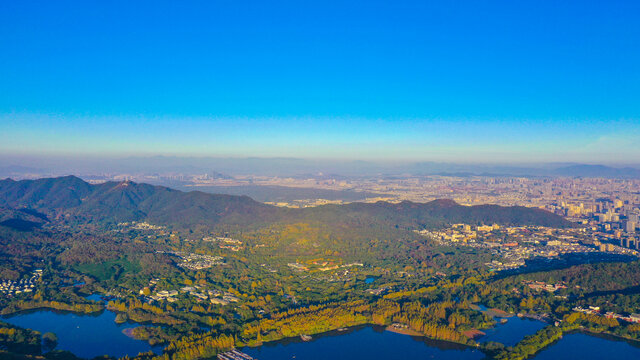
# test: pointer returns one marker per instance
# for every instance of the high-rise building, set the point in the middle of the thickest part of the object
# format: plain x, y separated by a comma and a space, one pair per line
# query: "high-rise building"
630, 227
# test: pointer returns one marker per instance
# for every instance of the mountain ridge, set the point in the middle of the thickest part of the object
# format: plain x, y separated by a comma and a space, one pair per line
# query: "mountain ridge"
113, 202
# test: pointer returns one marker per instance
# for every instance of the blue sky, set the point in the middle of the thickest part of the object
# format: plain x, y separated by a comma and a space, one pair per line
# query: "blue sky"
455, 80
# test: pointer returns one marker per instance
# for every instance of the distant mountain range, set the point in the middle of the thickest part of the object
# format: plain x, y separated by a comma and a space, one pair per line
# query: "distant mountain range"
321, 169
274, 193
71, 199
597, 171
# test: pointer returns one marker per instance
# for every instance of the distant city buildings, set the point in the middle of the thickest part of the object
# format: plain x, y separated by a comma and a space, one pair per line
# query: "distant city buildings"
515, 245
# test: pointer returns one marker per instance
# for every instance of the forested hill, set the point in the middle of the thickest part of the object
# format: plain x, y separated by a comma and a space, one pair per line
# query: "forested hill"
73, 199
441, 212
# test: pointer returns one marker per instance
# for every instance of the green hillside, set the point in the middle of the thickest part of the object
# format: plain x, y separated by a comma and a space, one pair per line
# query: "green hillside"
112, 202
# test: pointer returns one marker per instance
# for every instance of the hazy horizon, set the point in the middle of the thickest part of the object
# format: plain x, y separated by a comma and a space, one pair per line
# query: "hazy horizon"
30, 166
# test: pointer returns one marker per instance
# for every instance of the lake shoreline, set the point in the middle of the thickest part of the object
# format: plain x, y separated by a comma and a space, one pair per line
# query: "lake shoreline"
349, 329
607, 335
364, 342
402, 331
83, 335
12, 312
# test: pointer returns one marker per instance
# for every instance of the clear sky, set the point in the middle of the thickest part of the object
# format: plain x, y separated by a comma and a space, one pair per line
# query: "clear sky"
514, 81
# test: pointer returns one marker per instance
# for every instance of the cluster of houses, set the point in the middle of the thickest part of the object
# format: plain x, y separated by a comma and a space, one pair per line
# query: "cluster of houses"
169, 295
11, 287
225, 242
595, 310
214, 296
459, 233
225, 299
524, 242
539, 286
297, 266
141, 225
379, 291
195, 261
322, 266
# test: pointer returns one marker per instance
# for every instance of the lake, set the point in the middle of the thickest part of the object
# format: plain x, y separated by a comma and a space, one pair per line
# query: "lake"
511, 332
84, 335
370, 342
93, 335
580, 346
366, 342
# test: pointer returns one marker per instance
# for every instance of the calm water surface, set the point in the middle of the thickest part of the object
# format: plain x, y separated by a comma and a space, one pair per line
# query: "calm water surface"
511, 332
375, 343
514, 330
579, 346
93, 335
363, 343
84, 335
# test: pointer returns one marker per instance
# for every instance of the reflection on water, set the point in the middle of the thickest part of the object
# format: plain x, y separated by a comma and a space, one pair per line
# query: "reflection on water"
94, 335
363, 343
511, 332
84, 335
95, 297
579, 346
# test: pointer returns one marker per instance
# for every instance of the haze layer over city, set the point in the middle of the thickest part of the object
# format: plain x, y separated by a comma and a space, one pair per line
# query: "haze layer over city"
364, 180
